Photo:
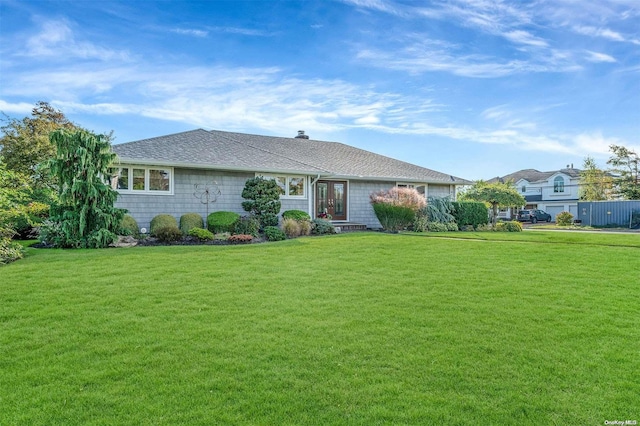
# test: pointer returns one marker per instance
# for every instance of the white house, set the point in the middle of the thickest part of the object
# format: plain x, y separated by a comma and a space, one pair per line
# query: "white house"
554, 191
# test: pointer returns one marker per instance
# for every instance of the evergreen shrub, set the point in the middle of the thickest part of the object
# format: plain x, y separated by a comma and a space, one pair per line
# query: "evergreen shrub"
222, 221
296, 215
321, 226
247, 225
437, 227
273, 233
129, 226
168, 233
470, 213
162, 221
189, 221
201, 234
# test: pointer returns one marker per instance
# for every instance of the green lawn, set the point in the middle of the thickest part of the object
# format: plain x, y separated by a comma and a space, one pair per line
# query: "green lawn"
529, 328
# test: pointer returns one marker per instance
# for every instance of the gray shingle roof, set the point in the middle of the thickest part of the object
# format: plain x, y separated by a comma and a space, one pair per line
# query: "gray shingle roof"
532, 175
239, 151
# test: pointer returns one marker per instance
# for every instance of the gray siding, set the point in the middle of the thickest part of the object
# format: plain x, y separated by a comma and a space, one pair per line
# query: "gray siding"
143, 207
360, 209
608, 213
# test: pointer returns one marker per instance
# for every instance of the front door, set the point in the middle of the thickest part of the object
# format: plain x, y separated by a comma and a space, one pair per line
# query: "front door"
331, 199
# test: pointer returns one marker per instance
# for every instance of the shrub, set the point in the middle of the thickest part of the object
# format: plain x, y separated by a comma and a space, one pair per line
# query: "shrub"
189, 221
9, 250
305, 227
223, 236
263, 200
564, 219
24, 219
398, 196
419, 223
509, 226
240, 239
396, 208
161, 221
291, 228
129, 226
51, 233
438, 209
247, 225
321, 226
470, 213
268, 219
437, 227
273, 233
451, 226
168, 233
296, 215
201, 234
218, 222
392, 217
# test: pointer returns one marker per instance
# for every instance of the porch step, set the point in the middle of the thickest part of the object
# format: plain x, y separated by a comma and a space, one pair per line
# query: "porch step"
348, 227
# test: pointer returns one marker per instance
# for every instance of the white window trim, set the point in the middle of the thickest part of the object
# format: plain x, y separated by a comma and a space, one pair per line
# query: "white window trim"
146, 190
286, 196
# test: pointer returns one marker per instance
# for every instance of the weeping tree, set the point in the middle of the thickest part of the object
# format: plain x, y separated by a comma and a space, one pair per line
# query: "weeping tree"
84, 215
496, 194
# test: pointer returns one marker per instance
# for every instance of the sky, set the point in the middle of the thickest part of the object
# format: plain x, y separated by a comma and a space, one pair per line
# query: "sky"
472, 88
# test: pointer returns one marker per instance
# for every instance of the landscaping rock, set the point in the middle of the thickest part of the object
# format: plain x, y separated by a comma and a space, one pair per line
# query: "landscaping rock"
124, 241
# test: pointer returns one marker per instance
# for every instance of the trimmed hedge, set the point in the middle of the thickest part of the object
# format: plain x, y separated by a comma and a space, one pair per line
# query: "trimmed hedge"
296, 215
129, 226
168, 233
201, 234
470, 213
218, 222
188, 221
162, 221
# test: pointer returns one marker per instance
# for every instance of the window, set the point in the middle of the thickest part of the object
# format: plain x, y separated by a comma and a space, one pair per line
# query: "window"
523, 189
421, 188
149, 180
290, 186
558, 184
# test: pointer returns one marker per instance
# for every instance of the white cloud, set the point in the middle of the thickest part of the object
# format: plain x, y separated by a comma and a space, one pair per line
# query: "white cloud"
524, 37
56, 41
191, 32
599, 57
15, 108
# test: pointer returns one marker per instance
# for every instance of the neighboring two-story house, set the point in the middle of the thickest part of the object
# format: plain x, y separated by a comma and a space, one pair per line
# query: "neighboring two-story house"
553, 192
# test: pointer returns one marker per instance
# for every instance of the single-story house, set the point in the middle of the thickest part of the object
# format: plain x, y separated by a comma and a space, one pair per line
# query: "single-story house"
159, 175
553, 191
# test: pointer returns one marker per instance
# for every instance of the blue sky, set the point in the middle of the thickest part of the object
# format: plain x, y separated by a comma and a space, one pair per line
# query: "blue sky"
474, 88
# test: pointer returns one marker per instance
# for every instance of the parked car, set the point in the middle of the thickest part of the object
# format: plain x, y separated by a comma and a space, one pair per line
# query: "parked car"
533, 216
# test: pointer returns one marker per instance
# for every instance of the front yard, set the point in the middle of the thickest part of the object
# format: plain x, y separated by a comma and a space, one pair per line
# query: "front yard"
367, 328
